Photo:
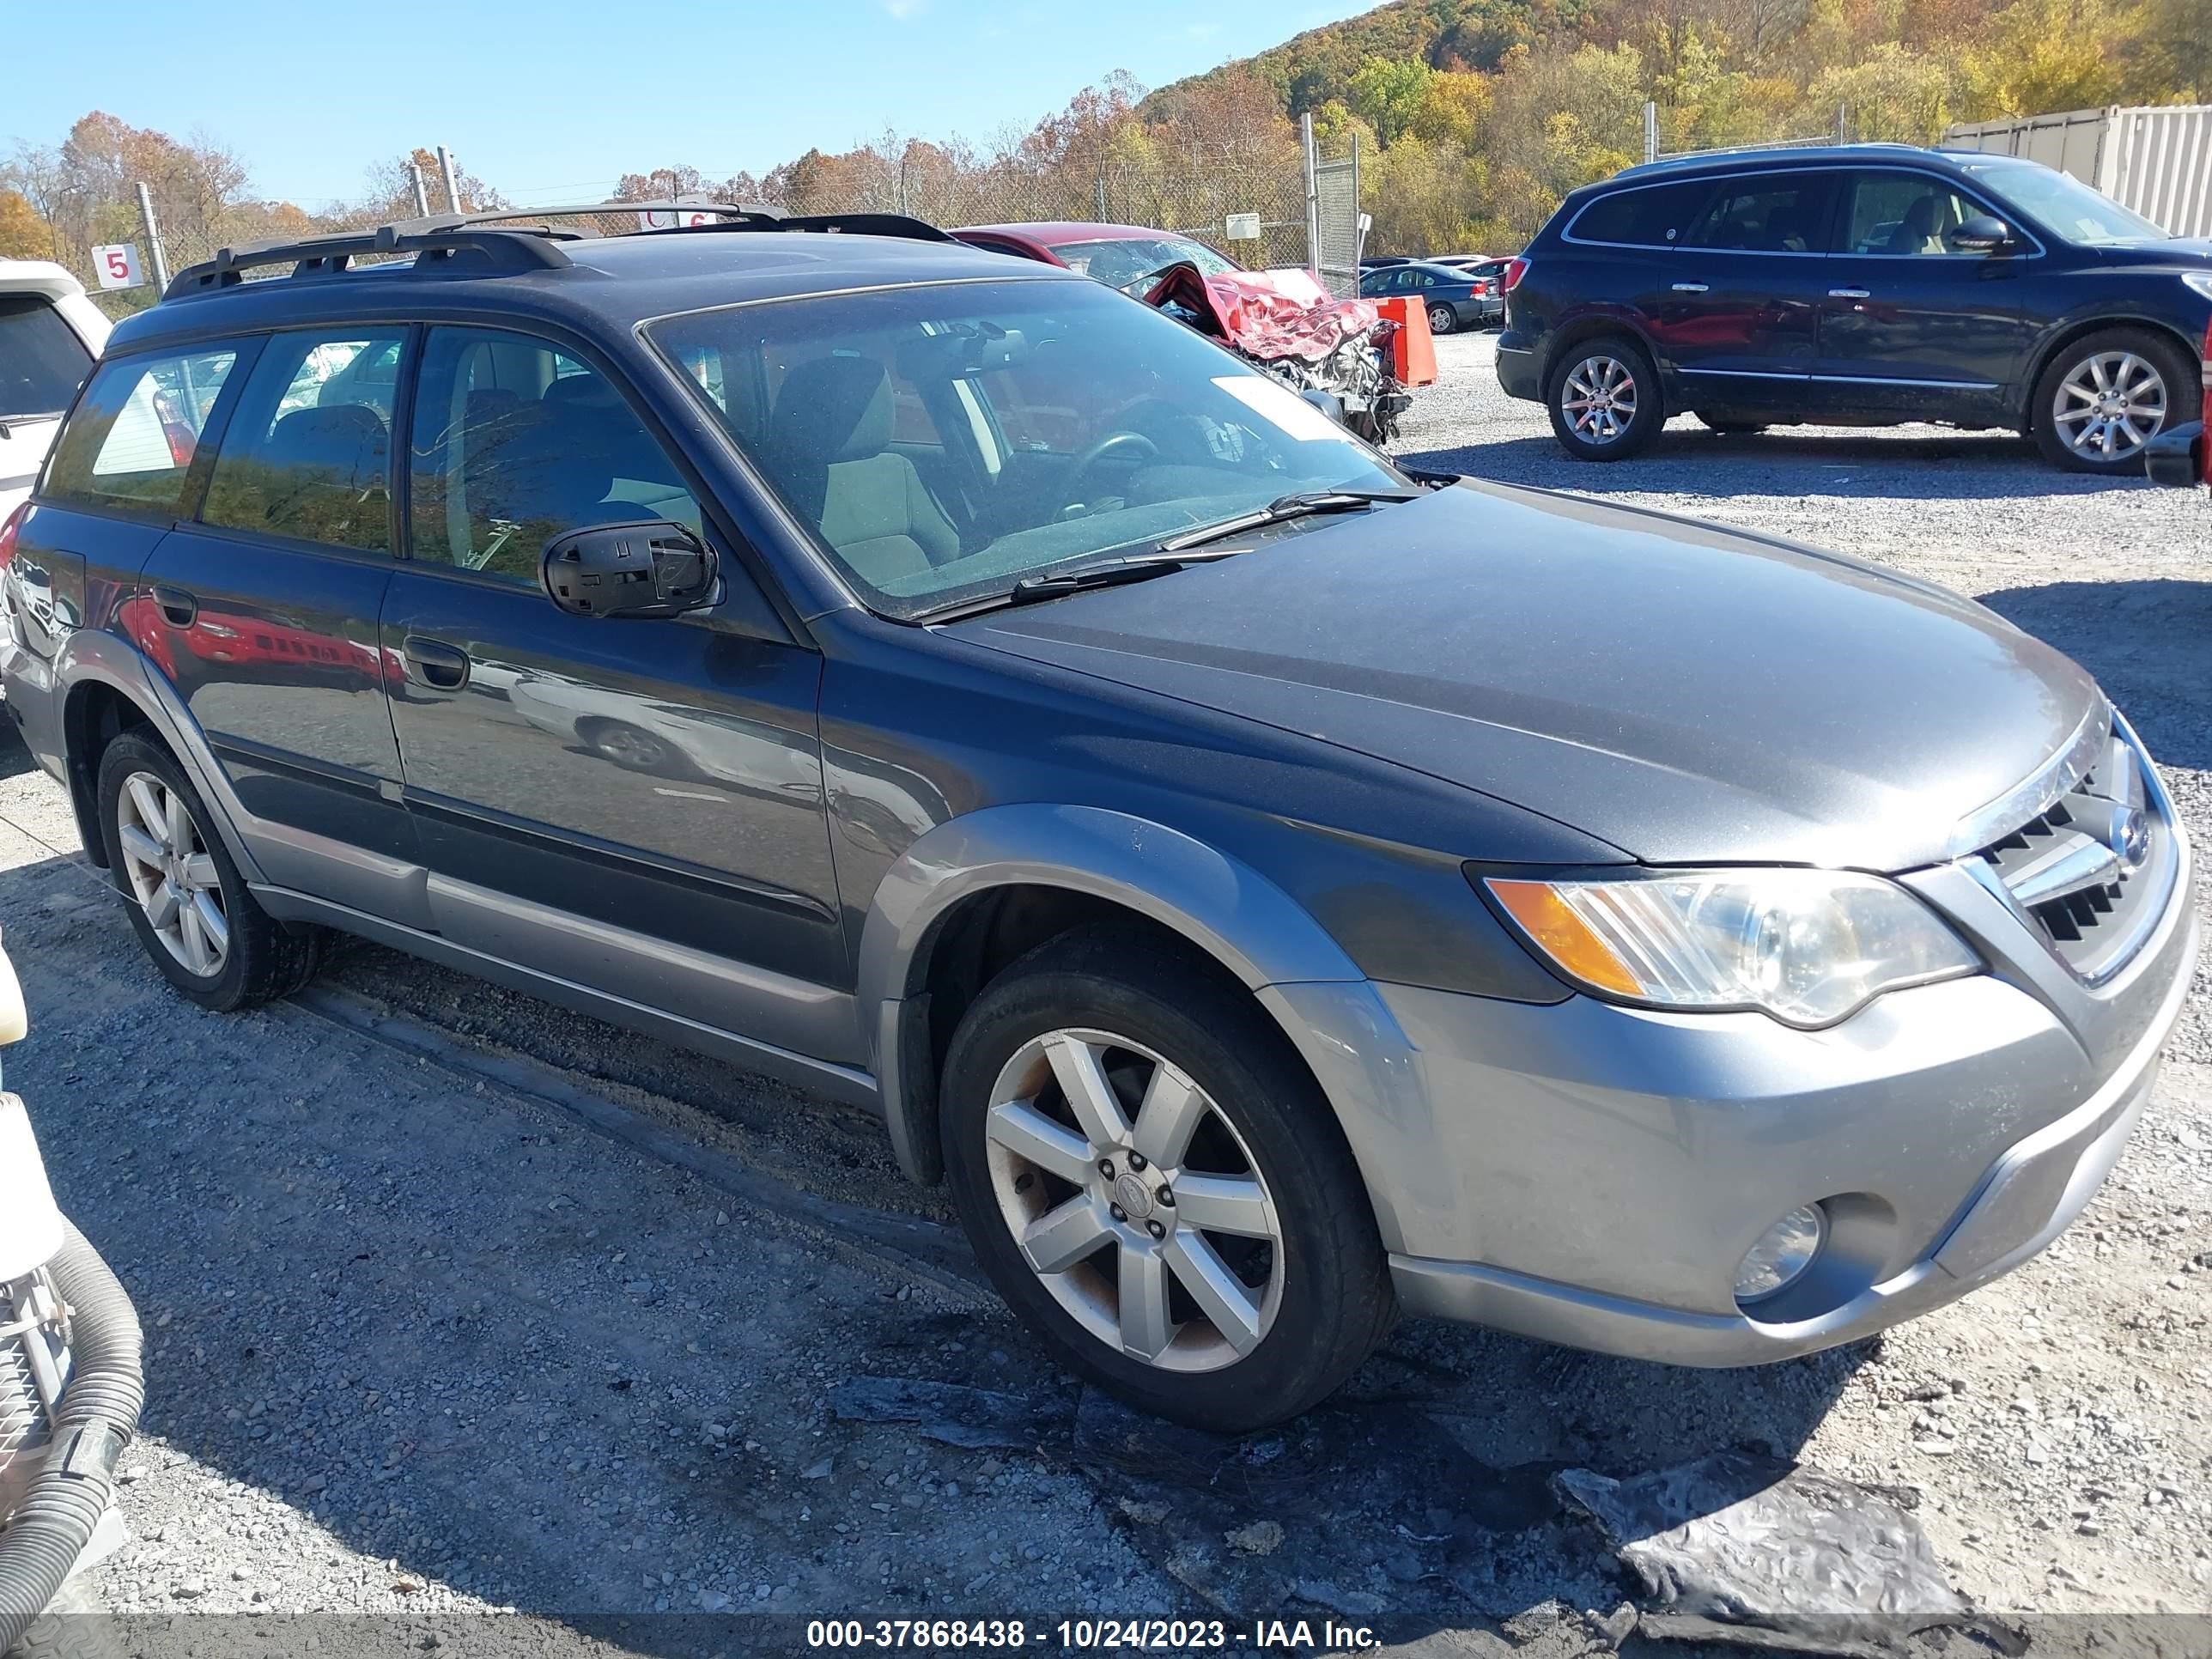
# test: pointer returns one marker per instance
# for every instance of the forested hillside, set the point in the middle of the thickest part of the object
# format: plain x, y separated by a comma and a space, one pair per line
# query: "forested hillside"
1475, 117
1482, 112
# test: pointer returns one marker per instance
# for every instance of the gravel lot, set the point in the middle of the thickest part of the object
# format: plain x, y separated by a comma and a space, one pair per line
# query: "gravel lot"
460, 1305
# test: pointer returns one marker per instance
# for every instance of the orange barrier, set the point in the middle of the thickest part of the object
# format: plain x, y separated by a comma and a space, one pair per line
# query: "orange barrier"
1413, 352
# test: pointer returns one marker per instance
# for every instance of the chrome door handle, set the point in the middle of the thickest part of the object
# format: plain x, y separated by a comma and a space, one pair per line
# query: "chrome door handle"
1848, 294
1689, 288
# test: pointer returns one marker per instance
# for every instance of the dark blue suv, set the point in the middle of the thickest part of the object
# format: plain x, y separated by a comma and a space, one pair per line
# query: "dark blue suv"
1858, 285
1272, 889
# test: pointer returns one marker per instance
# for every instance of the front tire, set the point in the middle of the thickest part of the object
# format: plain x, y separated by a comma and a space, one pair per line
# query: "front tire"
188, 904
1604, 400
1158, 1186
2105, 396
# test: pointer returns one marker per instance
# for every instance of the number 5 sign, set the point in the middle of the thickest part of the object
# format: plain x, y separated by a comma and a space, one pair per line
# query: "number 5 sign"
117, 265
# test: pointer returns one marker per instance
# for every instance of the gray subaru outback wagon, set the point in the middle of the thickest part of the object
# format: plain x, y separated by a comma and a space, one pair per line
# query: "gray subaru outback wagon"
1274, 889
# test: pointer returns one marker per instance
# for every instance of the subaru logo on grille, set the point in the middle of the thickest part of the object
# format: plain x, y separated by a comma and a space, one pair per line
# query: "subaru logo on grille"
2130, 837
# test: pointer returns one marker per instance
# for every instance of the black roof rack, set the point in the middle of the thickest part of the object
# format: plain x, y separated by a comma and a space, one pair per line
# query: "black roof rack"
527, 244
323, 256
730, 216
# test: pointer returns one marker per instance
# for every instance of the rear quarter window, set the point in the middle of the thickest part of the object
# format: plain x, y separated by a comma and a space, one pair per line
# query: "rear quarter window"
1649, 216
129, 445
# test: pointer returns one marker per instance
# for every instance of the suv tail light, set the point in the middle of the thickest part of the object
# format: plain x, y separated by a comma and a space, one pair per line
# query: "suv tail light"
8, 535
1514, 270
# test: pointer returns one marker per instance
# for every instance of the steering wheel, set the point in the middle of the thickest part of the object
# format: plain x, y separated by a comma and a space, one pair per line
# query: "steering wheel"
1139, 448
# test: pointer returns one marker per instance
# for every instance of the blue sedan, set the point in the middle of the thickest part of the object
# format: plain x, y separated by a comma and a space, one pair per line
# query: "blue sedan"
1455, 298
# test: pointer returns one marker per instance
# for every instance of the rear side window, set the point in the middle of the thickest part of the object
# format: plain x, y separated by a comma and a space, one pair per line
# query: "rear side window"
1768, 213
1651, 215
129, 446
42, 362
307, 453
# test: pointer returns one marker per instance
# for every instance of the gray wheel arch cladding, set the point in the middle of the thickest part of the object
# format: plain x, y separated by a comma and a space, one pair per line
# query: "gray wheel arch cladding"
96, 657
1222, 907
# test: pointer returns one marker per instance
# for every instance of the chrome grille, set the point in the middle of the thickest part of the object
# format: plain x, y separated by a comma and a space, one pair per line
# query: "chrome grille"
2091, 871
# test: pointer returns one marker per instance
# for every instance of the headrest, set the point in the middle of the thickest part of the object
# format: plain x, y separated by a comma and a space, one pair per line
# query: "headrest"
833, 409
346, 440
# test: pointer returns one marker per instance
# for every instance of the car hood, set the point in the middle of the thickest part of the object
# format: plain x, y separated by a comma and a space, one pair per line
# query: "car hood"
1681, 691
2184, 252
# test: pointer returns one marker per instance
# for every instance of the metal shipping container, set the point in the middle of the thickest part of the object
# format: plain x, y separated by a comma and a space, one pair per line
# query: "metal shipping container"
2156, 160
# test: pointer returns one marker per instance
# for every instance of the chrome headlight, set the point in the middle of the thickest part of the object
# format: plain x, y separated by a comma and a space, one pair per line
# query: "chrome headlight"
1807, 946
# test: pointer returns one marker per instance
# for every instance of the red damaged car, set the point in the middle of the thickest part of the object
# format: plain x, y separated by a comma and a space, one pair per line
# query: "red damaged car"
1119, 256
1282, 322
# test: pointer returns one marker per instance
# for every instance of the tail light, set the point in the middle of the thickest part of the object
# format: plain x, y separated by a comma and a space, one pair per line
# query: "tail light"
182, 440
8, 532
1482, 288
1514, 270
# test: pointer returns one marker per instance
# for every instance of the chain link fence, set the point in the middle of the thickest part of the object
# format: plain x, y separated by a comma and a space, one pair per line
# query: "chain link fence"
1255, 208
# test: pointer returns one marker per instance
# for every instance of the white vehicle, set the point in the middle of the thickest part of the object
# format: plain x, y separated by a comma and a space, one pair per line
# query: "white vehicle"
71, 1389
49, 335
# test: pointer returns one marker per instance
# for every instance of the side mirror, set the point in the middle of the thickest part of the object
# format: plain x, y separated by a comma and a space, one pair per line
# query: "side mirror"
1983, 234
2176, 456
1328, 402
651, 568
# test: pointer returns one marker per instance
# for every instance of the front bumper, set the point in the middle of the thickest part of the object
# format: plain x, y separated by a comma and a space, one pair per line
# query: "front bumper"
1592, 1175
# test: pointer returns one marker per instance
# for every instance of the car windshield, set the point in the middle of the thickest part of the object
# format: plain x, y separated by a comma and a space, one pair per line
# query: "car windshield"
1119, 263
42, 361
944, 441
2068, 207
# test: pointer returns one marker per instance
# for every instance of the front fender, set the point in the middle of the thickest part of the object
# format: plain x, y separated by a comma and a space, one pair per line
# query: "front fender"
1224, 907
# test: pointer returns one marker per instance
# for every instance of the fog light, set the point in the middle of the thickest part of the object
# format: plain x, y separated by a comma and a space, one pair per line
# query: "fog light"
1783, 1253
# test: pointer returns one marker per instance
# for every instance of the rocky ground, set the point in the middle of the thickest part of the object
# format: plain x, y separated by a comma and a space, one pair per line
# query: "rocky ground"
474, 1323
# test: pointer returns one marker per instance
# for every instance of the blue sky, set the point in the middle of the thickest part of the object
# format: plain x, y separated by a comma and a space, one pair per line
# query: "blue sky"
549, 99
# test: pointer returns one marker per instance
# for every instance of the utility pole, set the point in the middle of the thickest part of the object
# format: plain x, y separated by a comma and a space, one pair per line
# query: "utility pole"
1651, 130
422, 190
453, 190
154, 241
1313, 191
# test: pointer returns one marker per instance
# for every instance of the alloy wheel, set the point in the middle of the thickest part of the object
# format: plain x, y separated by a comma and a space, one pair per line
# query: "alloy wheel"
1441, 319
1599, 399
2110, 405
1134, 1200
172, 874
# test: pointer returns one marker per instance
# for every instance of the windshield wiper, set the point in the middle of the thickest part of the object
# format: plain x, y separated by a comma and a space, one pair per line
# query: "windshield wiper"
1304, 504
1106, 573
1074, 579
10, 422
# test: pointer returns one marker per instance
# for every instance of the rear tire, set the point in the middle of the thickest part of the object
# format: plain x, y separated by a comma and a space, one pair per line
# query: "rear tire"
167, 860
2127, 385
1726, 428
1441, 319
1605, 400
1254, 1305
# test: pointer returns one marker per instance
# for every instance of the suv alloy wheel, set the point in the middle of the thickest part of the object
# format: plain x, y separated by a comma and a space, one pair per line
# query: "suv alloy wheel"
1153, 1182
1604, 400
2105, 396
189, 905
